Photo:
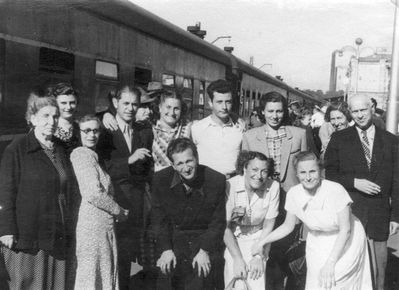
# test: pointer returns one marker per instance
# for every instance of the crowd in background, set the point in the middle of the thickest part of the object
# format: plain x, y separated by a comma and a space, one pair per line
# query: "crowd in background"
137, 197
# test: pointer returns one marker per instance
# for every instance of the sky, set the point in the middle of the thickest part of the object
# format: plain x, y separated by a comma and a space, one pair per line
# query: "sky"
293, 38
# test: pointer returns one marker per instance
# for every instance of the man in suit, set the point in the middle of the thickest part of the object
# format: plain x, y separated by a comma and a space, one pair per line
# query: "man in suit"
188, 217
364, 159
127, 158
281, 143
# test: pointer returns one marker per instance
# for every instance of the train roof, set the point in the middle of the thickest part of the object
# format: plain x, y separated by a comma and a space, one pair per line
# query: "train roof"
128, 14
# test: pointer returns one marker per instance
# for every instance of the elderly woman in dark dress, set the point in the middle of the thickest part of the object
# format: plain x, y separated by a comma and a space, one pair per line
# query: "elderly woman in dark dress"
35, 184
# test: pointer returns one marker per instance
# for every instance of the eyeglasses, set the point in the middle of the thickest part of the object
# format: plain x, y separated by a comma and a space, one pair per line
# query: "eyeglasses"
87, 131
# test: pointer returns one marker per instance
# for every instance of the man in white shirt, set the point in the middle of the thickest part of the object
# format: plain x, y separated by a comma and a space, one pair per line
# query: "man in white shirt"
218, 137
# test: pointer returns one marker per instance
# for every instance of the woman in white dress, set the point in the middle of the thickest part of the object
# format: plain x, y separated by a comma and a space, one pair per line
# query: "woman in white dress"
95, 236
251, 209
336, 246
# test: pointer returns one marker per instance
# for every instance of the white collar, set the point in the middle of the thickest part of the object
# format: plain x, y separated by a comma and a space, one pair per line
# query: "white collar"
122, 123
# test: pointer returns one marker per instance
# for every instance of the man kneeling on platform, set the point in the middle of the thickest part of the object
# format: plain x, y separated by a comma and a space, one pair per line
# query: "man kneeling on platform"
188, 217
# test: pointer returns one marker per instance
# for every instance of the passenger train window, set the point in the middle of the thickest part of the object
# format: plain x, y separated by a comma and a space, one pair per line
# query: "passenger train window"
56, 61
188, 95
142, 76
168, 80
106, 70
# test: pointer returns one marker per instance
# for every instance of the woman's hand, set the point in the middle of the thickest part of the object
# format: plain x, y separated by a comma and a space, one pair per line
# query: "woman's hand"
240, 268
256, 267
7, 240
123, 215
257, 249
327, 275
109, 122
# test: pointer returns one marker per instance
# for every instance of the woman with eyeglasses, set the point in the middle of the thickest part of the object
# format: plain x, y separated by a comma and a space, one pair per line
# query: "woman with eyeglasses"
96, 250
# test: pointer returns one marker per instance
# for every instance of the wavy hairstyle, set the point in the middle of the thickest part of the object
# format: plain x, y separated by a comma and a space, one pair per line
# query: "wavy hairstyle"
245, 156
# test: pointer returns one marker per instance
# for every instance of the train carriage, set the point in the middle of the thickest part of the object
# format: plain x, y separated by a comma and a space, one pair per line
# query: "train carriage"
97, 45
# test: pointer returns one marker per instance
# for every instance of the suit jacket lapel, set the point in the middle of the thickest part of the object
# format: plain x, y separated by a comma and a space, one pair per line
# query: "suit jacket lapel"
120, 140
261, 137
378, 152
285, 153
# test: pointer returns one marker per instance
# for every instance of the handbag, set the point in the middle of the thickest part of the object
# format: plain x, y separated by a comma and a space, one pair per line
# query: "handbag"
231, 285
296, 254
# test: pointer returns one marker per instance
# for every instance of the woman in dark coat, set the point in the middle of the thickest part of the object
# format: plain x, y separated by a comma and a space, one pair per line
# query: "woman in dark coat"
35, 187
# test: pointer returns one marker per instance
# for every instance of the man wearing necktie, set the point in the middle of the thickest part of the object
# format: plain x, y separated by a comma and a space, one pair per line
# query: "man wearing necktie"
126, 155
188, 217
364, 159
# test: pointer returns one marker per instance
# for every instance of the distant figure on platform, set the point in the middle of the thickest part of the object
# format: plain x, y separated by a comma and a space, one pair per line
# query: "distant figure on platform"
189, 219
377, 120
364, 159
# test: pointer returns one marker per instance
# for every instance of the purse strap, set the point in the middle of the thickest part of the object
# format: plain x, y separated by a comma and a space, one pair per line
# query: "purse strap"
233, 281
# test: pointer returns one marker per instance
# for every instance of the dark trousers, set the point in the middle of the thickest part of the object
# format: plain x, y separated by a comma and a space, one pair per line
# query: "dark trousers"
128, 233
184, 277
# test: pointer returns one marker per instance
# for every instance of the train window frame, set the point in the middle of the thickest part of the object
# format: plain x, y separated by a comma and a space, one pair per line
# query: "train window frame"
166, 76
104, 76
56, 61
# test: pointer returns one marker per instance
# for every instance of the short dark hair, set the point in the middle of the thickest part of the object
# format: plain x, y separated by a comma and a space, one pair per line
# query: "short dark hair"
275, 97
180, 145
220, 86
127, 88
245, 156
306, 156
62, 89
374, 102
340, 106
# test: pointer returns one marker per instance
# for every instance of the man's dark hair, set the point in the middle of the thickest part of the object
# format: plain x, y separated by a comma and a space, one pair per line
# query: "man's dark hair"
127, 88
374, 102
275, 97
180, 145
219, 86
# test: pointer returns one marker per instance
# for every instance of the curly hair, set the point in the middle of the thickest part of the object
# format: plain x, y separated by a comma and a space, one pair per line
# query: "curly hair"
37, 101
62, 89
245, 156
275, 97
340, 106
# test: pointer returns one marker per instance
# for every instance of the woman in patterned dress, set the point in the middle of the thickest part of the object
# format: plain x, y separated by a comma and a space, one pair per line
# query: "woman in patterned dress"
67, 130
36, 181
251, 210
336, 245
95, 235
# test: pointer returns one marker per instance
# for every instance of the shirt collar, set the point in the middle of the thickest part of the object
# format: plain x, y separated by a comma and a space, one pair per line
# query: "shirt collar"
177, 180
370, 131
158, 127
211, 122
122, 123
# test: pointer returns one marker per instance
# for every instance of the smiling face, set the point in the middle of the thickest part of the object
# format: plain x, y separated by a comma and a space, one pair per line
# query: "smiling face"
255, 174
126, 106
221, 105
274, 114
67, 105
185, 163
361, 112
170, 111
89, 133
45, 121
338, 120
308, 172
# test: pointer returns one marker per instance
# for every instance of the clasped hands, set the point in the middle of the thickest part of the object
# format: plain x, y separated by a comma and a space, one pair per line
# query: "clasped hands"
7, 240
201, 261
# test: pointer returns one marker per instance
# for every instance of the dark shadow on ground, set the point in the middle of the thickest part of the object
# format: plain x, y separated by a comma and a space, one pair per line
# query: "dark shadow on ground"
392, 272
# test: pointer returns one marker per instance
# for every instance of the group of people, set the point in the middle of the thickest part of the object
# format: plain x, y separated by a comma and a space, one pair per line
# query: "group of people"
227, 206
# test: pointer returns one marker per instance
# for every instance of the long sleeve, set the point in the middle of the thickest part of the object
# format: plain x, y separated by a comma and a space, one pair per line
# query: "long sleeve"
87, 173
332, 165
217, 225
395, 183
9, 177
160, 222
